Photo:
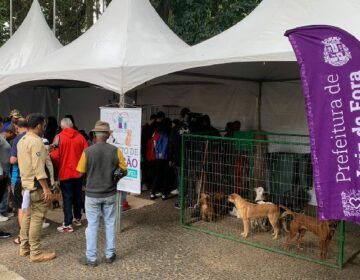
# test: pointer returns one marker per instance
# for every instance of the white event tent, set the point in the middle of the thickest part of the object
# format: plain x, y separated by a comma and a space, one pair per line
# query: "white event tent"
32, 41
255, 50
248, 68
130, 32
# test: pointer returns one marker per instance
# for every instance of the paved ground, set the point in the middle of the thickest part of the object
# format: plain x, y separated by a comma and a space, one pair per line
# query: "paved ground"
154, 246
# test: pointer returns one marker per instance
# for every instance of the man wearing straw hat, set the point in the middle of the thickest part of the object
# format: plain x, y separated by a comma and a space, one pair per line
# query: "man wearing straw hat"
101, 162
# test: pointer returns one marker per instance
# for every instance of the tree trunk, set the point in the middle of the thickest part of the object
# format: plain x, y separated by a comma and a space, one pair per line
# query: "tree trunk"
164, 10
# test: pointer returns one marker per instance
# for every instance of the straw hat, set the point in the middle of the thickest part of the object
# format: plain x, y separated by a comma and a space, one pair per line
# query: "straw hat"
15, 114
101, 126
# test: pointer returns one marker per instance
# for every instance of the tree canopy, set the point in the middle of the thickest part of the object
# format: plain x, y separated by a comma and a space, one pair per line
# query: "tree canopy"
192, 20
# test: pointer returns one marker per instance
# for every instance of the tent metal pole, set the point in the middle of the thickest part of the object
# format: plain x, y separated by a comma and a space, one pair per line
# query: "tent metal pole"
54, 17
58, 105
11, 18
120, 194
258, 106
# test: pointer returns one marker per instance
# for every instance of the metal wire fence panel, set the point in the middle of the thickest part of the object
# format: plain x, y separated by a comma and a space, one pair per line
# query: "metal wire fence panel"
257, 189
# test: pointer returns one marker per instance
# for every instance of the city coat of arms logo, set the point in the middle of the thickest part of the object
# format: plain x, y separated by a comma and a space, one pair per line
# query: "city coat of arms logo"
335, 52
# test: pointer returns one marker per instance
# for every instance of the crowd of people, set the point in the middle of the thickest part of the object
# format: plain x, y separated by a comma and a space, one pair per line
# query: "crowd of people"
36, 153
29, 166
161, 149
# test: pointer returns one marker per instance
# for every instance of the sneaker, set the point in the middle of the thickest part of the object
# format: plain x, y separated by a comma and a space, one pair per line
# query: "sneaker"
43, 257
85, 261
3, 218
4, 235
164, 197
65, 229
177, 205
45, 225
77, 223
175, 192
111, 259
152, 196
158, 194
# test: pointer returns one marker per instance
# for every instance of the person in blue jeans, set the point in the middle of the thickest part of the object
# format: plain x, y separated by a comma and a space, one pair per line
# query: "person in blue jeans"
100, 163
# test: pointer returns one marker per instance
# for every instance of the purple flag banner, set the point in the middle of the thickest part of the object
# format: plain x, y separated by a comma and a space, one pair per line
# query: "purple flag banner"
329, 60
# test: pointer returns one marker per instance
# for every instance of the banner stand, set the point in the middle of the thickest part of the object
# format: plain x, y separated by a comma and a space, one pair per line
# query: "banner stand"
125, 124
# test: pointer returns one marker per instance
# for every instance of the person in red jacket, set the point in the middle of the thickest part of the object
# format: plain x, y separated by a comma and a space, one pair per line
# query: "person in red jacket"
67, 149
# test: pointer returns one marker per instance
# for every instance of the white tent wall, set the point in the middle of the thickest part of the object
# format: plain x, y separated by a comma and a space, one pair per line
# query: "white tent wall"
283, 108
223, 103
283, 112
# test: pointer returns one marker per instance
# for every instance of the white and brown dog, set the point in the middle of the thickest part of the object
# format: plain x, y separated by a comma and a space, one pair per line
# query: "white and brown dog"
260, 199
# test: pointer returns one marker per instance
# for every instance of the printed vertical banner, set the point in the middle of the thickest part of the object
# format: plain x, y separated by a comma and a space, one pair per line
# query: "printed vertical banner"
329, 60
126, 126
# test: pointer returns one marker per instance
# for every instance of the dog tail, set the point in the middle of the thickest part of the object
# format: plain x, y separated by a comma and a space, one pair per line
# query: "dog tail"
283, 216
285, 208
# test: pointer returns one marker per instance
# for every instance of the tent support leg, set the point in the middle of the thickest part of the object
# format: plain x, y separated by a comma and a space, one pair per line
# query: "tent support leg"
258, 107
59, 105
120, 194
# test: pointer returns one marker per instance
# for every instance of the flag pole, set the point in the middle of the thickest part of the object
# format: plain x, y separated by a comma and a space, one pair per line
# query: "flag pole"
54, 17
11, 18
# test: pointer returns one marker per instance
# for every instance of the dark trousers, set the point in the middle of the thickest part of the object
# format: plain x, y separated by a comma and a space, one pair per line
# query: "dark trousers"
3, 186
161, 182
71, 192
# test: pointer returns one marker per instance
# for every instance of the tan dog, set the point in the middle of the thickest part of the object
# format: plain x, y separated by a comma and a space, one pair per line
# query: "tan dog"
206, 207
301, 223
248, 211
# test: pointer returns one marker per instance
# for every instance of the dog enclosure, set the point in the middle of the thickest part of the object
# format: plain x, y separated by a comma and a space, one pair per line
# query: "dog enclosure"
247, 163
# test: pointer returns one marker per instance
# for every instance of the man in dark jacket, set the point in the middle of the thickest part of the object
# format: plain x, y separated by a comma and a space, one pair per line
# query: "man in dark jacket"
100, 162
67, 149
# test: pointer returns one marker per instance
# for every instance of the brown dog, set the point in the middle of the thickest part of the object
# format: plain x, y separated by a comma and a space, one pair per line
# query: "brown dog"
301, 223
206, 207
57, 199
248, 211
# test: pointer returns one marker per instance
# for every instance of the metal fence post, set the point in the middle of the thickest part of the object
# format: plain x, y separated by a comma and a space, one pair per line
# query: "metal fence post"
182, 192
341, 243
11, 18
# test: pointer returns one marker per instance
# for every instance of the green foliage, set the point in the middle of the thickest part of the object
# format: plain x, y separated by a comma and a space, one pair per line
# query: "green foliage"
193, 20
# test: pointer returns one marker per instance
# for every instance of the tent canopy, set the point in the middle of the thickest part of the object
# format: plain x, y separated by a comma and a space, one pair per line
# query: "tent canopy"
31, 42
129, 33
130, 45
256, 48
